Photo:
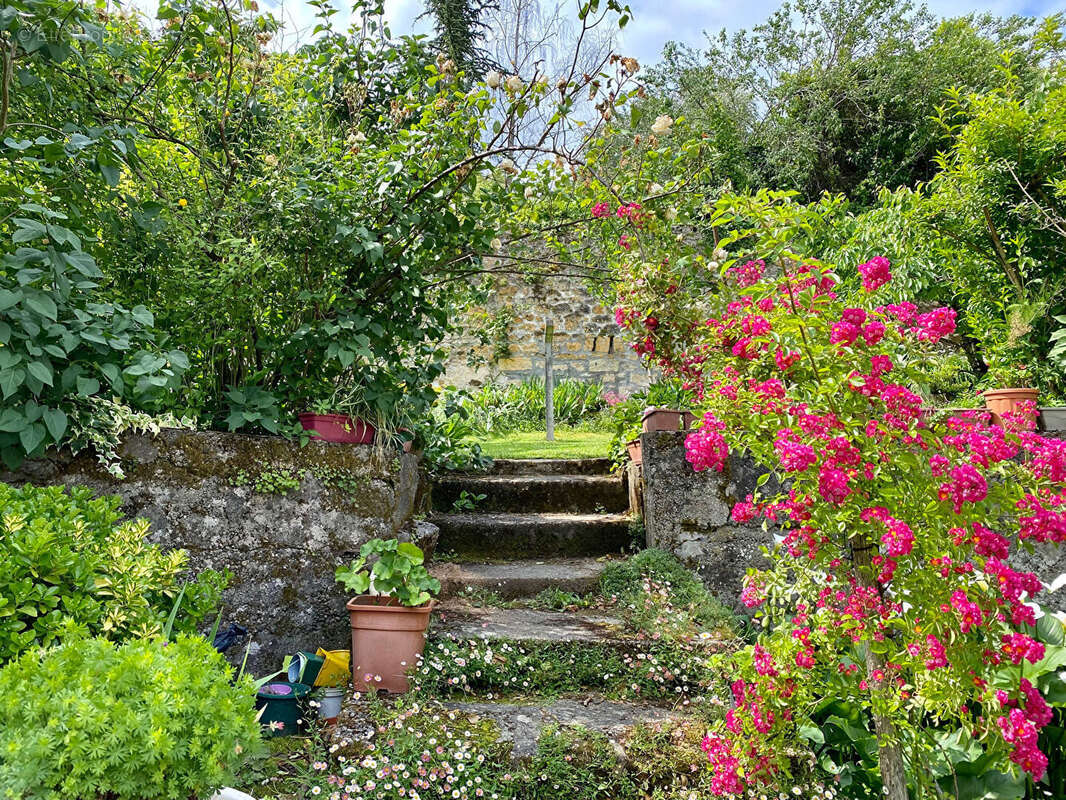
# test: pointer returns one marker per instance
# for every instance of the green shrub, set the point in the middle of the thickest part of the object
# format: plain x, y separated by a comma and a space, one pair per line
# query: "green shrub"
146, 720
68, 564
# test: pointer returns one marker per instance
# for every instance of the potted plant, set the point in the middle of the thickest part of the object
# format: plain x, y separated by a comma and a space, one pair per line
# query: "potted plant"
338, 419
661, 419
389, 613
1014, 390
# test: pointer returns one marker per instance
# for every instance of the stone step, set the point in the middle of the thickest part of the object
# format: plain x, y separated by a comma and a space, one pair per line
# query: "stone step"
582, 494
522, 578
473, 535
551, 466
455, 619
522, 724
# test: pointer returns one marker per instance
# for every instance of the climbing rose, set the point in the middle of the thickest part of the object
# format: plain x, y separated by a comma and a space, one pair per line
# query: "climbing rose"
748, 273
601, 210
967, 485
705, 448
935, 325
1022, 734
833, 485
875, 273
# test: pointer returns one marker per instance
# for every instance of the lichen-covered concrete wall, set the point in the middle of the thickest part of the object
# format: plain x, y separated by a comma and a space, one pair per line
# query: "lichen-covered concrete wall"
587, 343
208, 493
688, 513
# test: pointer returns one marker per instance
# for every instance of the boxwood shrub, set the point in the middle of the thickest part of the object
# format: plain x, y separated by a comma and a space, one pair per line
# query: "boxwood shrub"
145, 720
70, 564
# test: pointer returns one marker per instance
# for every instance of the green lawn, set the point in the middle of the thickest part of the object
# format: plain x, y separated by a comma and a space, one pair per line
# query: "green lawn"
568, 443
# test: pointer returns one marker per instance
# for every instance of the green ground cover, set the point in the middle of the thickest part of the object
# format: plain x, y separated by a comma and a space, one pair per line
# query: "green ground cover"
569, 443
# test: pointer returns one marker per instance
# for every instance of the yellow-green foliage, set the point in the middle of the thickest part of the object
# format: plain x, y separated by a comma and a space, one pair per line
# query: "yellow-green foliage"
144, 720
69, 564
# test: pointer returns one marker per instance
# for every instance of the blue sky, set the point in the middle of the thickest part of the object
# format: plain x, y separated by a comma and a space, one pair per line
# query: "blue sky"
658, 21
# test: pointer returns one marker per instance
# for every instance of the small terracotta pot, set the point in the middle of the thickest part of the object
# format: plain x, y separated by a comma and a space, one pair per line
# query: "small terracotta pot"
1003, 401
338, 428
662, 419
636, 454
387, 639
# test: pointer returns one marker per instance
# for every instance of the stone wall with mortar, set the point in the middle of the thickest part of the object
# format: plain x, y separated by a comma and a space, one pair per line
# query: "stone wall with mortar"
281, 548
688, 513
587, 343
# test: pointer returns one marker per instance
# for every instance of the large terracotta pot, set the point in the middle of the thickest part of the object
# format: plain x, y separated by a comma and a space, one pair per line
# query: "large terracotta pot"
387, 639
662, 419
338, 428
1002, 401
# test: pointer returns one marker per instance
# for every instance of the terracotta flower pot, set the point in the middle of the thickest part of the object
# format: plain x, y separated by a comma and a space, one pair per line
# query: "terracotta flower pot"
636, 454
387, 639
1003, 401
662, 419
338, 428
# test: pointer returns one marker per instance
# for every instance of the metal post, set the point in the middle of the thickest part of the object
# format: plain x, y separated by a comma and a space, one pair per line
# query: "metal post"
549, 381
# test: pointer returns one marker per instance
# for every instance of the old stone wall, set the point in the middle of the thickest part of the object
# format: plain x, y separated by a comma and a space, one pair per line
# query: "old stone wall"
587, 344
688, 513
208, 493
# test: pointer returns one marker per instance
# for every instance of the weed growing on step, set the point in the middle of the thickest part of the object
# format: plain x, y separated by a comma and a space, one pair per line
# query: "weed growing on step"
660, 597
638, 669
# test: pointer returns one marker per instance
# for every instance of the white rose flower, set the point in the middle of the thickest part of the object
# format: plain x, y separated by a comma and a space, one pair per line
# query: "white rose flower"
655, 188
515, 84
507, 165
529, 193
493, 79
670, 213
497, 245
720, 254
662, 125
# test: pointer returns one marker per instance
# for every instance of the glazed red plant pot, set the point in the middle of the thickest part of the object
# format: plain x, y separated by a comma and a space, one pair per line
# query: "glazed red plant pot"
1008, 400
387, 640
338, 428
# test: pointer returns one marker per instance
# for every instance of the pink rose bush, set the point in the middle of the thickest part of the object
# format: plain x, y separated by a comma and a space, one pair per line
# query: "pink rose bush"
894, 586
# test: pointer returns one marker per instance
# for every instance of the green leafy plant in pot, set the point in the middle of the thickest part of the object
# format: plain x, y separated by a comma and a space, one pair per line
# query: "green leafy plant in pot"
389, 614
340, 418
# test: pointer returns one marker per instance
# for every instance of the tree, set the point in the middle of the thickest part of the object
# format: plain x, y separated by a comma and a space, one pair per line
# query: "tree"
839, 97
461, 30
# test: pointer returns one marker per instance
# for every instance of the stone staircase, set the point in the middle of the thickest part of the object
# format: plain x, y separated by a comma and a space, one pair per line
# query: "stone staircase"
543, 524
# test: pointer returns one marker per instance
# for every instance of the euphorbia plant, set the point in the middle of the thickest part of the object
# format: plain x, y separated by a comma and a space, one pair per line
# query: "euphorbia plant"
892, 586
398, 572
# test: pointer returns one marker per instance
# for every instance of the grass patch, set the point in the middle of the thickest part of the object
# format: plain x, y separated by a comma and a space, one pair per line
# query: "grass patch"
569, 443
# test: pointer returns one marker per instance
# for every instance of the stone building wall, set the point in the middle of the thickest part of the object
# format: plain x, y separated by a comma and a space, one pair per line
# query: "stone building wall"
587, 343
281, 548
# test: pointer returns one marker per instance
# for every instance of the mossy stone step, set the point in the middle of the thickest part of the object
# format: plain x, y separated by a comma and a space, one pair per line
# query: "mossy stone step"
522, 724
580, 494
550, 466
521, 578
458, 620
501, 535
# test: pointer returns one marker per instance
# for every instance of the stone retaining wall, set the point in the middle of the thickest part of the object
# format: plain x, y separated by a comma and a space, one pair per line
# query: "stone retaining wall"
198, 491
688, 513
